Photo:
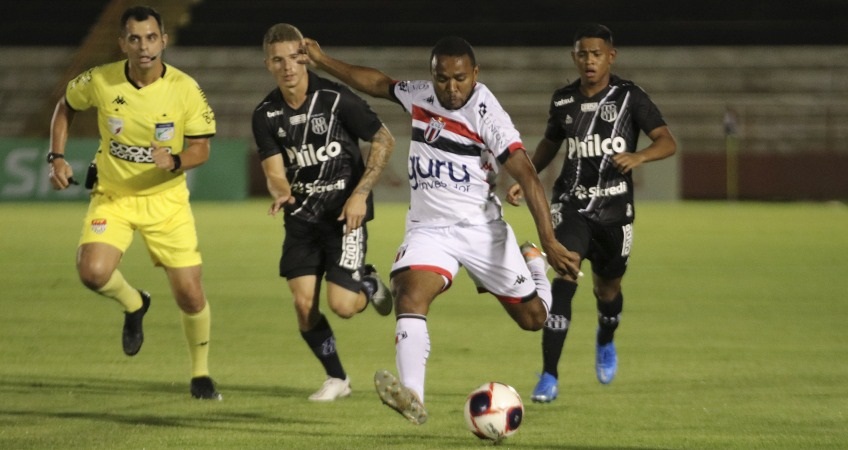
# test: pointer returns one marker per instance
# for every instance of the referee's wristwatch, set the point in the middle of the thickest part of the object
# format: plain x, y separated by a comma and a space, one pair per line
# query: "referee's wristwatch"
54, 156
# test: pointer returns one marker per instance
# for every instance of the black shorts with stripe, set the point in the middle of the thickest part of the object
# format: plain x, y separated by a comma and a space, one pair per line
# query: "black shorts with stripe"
322, 249
606, 246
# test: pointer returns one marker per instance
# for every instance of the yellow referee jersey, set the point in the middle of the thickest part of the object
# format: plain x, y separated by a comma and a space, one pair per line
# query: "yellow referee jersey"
131, 118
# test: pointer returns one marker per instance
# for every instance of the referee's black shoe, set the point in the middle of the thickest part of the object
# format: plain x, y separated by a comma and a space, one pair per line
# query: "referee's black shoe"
133, 335
204, 388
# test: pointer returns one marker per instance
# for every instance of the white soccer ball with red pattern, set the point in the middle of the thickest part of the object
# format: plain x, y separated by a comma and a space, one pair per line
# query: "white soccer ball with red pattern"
494, 411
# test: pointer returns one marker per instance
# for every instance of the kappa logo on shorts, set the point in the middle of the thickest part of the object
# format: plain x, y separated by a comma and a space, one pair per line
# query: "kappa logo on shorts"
98, 226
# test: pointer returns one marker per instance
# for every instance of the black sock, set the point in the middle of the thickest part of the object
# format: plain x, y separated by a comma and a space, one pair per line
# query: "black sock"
323, 344
556, 327
609, 314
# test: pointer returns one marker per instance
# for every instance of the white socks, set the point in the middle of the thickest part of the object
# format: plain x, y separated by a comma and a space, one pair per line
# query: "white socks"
412, 344
539, 271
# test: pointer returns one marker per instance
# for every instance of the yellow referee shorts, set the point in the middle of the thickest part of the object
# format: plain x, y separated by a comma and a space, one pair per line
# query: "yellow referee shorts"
164, 220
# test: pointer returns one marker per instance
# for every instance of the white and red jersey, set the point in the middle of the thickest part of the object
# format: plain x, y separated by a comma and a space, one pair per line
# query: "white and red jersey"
454, 155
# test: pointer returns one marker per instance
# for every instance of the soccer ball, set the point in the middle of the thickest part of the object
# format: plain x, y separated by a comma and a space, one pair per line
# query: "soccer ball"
494, 411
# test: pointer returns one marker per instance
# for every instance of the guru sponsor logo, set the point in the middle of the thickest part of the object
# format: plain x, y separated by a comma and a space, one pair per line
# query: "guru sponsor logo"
308, 155
594, 146
434, 173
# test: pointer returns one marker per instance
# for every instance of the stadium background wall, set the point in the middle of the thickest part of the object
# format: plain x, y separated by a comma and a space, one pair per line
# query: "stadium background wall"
780, 71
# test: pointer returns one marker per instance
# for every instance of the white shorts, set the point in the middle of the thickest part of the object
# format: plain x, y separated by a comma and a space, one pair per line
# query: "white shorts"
489, 253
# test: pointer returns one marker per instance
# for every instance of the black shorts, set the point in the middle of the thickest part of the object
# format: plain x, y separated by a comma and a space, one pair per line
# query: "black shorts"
322, 249
606, 246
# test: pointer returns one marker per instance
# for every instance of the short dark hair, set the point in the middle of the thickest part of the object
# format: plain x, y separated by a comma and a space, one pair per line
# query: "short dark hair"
141, 13
594, 30
452, 46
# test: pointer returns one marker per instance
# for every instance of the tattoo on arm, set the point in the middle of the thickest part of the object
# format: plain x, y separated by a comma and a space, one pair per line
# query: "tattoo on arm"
382, 145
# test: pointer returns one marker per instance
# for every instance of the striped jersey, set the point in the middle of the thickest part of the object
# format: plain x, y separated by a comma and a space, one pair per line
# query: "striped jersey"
130, 118
319, 143
455, 155
592, 130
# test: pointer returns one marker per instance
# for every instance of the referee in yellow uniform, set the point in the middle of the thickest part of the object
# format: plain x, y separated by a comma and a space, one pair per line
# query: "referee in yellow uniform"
155, 124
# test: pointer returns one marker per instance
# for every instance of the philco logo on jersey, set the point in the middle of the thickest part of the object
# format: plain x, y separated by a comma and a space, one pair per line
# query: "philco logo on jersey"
564, 101
589, 107
434, 128
164, 131
133, 153
309, 156
609, 112
593, 146
418, 176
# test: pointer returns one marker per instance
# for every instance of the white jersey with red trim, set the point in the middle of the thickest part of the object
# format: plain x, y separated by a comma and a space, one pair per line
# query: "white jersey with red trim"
454, 155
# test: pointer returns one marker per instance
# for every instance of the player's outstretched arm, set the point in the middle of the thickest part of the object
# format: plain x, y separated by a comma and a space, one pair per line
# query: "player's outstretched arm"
364, 79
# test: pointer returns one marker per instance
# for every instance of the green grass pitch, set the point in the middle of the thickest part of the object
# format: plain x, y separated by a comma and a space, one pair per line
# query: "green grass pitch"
733, 336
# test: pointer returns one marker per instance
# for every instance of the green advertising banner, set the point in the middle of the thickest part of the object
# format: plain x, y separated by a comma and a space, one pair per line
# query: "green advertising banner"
24, 174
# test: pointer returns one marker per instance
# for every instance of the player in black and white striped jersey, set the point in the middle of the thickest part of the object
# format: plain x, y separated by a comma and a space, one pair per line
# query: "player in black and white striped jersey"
597, 119
307, 132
